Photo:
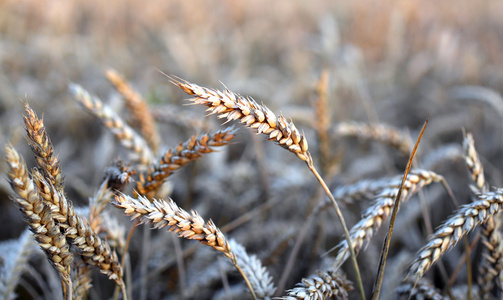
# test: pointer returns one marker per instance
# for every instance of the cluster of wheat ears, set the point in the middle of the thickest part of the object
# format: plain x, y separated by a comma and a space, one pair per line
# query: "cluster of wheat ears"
76, 240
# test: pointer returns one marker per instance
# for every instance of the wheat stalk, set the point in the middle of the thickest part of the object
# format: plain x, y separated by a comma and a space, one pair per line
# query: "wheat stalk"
174, 159
376, 214
458, 225
322, 286
492, 264
42, 147
38, 216
125, 134
138, 108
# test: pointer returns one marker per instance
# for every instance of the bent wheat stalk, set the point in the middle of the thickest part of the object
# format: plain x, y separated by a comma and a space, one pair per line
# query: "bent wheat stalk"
231, 106
160, 213
457, 226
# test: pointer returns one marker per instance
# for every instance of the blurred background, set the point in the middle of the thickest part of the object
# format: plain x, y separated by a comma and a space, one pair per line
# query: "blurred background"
394, 62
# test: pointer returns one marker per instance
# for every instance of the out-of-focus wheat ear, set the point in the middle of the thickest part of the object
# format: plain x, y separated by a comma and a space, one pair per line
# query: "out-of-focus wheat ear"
15, 255
457, 226
322, 286
491, 265
256, 273
90, 247
323, 121
81, 277
379, 132
160, 213
42, 147
418, 290
364, 189
231, 106
174, 159
141, 152
375, 215
38, 216
142, 119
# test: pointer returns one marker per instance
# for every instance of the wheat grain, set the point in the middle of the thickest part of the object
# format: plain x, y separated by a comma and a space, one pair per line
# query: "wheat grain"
38, 216
232, 107
185, 153
257, 274
42, 147
373, 217
125, 134
322, 286
379, 132
458, 225
138, 108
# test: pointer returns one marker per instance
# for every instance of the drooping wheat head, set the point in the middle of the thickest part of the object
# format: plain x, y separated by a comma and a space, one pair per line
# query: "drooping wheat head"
142, 119
174, 159
123, 132
457, 226
231, 106
377, 213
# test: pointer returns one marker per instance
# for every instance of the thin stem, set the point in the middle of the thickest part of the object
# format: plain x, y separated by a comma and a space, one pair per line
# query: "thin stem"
387, 240
248, 284
344, 227
123, 261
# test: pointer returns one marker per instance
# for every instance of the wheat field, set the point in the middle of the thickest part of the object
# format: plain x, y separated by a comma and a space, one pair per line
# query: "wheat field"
274, 134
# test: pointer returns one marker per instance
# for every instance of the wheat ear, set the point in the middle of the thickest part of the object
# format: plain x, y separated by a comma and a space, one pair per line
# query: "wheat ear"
231, 106
125, 134
322, 286
174, 159
93, 250
42, 147
492, 264
458, 225
364, 189
378, 132
257, 274
376, 214
38, 216
160, 213
138, 108
418, 290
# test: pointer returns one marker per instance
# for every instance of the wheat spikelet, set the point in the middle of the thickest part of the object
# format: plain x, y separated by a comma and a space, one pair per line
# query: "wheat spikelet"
491, 264
373, 217
81, 278
138, 107
232, 106
257, 274
38, 216
458, 225
379, 132
92, 249
364, 189
41, 146
125, 134
418, 290
322, 286
185, 153
14, 256
160, 213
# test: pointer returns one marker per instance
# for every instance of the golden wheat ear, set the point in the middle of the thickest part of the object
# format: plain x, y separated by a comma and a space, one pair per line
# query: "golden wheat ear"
46, 231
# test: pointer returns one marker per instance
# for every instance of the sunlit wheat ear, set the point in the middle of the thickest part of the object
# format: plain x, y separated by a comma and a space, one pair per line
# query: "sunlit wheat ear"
174, 159
14, 256
257, 274
142, 119
418, 290
42, 147
322, 286
141, 152
231, 106
379, 132
376, 214
38, 216
458, 225
491, 265
93, 250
